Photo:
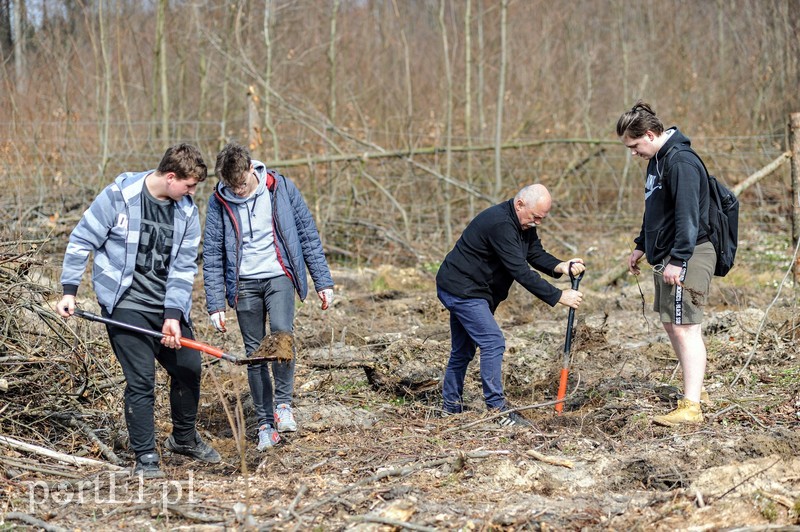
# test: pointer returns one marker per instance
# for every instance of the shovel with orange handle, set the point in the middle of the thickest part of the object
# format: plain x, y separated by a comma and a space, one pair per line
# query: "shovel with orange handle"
562, 385
185, 342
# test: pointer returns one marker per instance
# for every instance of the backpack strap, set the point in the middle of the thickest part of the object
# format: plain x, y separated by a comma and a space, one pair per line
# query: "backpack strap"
711, 196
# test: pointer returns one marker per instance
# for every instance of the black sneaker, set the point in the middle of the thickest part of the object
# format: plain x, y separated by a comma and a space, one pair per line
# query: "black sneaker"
147, 466
199, 451
513, 419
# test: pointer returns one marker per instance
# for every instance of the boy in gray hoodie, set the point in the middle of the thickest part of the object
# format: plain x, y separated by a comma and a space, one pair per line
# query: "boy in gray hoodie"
259, 239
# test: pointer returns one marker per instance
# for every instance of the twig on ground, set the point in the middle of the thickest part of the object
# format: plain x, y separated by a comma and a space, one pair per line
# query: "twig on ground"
29, 519
403, 525
563, 462
104, 449
748, 478
75, 460
743, 409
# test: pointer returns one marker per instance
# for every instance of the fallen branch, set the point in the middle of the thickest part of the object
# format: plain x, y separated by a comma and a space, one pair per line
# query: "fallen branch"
761, 174
398, 472
104, 449
402, 525
42, 451
563, 462
29, 519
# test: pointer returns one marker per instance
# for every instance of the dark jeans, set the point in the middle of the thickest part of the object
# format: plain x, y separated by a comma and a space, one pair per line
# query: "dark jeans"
472, 325
137, 354
258, 300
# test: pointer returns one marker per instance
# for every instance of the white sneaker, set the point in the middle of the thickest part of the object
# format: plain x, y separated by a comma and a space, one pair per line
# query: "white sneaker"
284, 419
267, 437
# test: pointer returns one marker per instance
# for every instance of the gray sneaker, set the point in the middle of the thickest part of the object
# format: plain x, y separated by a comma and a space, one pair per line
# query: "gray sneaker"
147, 466
268, 437
199, 451
284, 419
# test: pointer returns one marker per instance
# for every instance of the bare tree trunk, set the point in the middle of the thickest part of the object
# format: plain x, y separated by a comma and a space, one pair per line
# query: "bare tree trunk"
268, 8
332, 64
448, 225
481, 79
106, 117
19, 20
161, 43
407, 76
794, 145
123, 93
501, 89
160, 74
468, 97
231, 27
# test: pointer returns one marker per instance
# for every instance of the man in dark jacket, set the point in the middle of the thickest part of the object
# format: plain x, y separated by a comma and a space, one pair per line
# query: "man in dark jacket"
675, 241
495, 250
259, 239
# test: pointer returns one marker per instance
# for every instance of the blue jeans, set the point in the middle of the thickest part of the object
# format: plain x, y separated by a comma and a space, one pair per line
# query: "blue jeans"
258, 300
472, 325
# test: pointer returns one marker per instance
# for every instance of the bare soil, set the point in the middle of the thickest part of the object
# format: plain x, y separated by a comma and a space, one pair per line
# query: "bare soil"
373, 453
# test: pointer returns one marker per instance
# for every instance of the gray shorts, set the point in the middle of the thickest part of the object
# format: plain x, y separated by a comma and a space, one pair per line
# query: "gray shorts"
684, 304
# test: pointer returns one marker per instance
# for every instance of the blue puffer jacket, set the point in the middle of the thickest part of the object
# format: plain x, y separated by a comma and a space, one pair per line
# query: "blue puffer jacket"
296, 240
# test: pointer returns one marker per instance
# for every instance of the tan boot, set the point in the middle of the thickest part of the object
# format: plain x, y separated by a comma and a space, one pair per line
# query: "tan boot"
687, 412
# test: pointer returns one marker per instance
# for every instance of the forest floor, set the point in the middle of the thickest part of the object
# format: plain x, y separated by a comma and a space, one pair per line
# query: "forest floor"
372, 452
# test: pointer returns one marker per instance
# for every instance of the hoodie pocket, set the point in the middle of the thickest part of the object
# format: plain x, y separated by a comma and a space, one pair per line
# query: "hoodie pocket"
658, 243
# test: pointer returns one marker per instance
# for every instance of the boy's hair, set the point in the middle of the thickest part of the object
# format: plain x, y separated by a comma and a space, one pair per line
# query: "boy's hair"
185, 161
232, 163
638, 121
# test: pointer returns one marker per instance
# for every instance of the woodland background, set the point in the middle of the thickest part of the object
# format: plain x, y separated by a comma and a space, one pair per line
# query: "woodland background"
399, 119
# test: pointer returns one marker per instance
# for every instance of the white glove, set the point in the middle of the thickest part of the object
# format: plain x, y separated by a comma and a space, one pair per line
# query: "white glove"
326, 296
218, 321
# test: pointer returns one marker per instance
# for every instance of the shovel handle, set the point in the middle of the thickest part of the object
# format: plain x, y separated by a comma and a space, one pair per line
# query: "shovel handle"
207, 349
562, 389
562, 384
185, 342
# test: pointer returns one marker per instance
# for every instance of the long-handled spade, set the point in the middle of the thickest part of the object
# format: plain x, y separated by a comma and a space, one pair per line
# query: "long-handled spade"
562, 385
185, 342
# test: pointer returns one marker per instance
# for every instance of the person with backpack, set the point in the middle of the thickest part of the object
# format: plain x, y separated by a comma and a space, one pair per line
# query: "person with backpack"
259, 239
675, 238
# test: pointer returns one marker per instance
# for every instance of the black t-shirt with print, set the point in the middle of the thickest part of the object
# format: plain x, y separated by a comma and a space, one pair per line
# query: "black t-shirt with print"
149, 284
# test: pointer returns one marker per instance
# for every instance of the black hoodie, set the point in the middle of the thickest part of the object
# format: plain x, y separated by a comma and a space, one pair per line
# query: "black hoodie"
676, 203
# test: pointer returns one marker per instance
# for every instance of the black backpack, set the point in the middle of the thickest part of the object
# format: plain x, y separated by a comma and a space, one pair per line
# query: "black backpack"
723, 220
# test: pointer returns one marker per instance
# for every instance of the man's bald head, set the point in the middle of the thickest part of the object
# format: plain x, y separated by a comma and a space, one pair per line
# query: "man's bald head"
532, 204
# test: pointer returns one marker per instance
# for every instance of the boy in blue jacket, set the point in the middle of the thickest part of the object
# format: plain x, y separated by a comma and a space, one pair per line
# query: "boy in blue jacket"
144, 231
259, 239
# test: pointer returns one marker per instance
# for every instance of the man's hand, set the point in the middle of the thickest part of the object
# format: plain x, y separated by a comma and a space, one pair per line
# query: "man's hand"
672, 274
571, 298
326, 296
633, 261
66, 307
172, 333
577, 267
218, 321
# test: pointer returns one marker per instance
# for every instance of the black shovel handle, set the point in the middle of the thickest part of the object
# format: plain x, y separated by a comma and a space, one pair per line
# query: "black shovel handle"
576, 281
562, 384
